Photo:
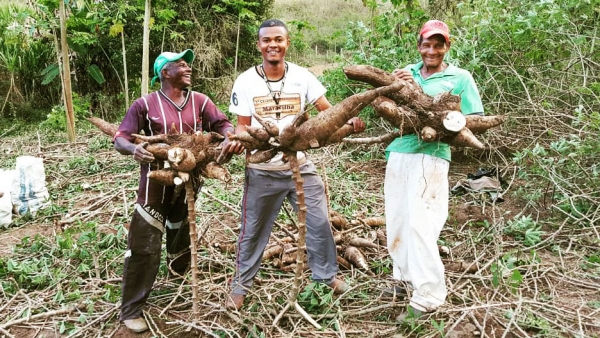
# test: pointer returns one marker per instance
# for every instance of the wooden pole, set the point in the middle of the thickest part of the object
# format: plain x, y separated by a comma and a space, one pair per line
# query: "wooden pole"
301, 252
237, 44
125, 70
66, 70
146, 49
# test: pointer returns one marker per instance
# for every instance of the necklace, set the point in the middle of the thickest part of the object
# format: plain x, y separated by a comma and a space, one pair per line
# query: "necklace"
275, 94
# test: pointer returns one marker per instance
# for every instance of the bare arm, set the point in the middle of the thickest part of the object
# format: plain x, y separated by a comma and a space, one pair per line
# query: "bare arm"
242, 122
322, 103
139, 152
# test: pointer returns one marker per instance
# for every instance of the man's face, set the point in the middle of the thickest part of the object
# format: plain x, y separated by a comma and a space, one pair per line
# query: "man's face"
178, 73
273, 43
432, 50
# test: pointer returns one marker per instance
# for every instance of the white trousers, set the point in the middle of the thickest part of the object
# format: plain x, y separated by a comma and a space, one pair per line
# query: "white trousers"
416, 208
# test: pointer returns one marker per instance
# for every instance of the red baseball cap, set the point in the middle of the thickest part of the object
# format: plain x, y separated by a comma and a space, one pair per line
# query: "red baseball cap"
433, 27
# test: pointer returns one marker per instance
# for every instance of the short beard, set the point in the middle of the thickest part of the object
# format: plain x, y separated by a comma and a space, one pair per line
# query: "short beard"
275, 62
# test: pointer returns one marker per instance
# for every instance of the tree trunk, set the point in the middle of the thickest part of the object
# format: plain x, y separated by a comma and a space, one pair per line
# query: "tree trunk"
66, 73
125, 70
146, 49
237, 44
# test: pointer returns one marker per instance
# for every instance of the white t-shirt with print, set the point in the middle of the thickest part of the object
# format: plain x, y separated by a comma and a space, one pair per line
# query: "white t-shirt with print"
251, 94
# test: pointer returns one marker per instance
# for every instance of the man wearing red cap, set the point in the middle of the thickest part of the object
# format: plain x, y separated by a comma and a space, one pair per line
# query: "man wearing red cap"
416, 179
157, 210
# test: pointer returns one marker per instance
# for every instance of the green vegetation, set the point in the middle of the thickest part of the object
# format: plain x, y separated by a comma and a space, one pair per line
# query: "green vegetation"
96, 31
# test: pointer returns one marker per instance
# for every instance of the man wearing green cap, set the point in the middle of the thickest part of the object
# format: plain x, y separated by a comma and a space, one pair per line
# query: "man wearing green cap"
157, 210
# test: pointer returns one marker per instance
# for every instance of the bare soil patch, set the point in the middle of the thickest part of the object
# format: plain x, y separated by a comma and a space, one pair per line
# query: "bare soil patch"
318, 70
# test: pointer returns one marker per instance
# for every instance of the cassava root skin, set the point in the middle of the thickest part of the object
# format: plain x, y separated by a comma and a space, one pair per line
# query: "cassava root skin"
314, 132
357, 258
411, 95
195, 154
165, 177
480, 124
429, 126
329, 126
413, 111
362, 243
216, 171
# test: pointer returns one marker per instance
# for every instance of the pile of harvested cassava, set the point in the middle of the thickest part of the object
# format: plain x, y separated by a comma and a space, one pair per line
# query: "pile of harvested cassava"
198, 155
412, 111
358, 242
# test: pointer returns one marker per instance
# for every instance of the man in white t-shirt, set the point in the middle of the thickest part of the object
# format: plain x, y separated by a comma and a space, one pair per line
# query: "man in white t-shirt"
278, 90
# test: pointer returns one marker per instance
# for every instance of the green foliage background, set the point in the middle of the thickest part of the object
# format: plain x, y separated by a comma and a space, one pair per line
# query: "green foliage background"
28, 54
537, 63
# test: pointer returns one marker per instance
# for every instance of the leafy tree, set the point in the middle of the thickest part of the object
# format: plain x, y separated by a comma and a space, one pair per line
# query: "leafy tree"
21, 59
210, 28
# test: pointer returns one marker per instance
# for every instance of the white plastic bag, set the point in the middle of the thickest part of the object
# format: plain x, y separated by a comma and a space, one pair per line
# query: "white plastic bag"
6, 178
29, 192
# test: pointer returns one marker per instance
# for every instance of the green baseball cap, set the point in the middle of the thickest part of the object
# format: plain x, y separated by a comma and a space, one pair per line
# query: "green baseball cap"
165, 57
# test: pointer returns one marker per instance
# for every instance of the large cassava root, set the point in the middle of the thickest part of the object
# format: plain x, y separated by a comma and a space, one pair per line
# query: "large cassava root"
411, 94
328, 127
413, 111
185, 155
